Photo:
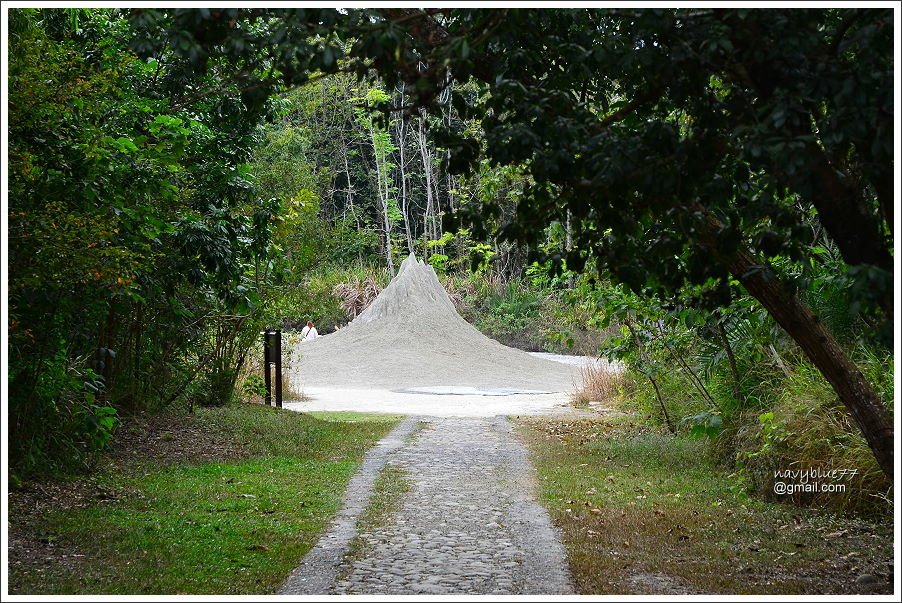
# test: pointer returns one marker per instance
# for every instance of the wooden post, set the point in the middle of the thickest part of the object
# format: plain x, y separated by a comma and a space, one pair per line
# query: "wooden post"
277, 356
267, 355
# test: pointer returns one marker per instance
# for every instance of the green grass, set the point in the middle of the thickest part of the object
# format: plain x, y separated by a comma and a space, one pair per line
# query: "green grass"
809, 426
267, 431
388, 496
236, 526
353, 416
635, 505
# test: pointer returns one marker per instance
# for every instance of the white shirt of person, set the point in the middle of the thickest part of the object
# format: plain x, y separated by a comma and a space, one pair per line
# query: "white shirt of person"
309, 333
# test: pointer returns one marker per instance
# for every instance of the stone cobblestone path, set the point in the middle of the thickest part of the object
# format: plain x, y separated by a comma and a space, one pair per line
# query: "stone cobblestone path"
469, 523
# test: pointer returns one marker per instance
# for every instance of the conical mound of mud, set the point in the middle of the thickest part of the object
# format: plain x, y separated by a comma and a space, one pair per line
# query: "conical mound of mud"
411, 336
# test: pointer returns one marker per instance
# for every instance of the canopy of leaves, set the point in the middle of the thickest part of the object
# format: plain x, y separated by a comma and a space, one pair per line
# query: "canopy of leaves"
630, 122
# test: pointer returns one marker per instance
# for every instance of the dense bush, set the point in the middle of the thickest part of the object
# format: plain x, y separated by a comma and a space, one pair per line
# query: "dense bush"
734, 378
135, 231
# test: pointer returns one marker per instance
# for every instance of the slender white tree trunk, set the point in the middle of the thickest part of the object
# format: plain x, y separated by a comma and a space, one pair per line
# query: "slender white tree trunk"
401, 129
382, 190
426, 155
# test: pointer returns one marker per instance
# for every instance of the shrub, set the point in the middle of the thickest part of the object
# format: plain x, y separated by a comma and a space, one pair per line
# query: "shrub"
808, 428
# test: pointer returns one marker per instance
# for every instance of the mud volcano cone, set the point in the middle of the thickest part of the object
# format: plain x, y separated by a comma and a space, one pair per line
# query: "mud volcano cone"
411, 336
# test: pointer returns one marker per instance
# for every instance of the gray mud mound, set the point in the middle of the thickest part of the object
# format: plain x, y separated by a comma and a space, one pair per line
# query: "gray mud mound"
411, 336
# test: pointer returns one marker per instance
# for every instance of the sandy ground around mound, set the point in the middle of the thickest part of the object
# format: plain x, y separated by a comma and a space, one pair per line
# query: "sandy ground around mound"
432, 405
410, 352
452, 401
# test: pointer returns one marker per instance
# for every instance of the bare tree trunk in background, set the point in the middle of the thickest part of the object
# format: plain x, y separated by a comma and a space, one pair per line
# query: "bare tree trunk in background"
382, 190
445, 101
436, 210
401, 130
350, 190
426, 155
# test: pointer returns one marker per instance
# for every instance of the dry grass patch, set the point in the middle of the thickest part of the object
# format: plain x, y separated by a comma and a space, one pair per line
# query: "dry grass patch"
357, 294
599, 384
646, 513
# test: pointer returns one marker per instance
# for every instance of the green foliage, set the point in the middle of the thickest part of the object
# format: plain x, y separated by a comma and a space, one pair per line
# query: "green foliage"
76, 426
786, 415
700, 116
775, 411
439, 261
137, 228
316, 298
348, 245
461, 254
508, 311
704, 424
102, 423
254, 386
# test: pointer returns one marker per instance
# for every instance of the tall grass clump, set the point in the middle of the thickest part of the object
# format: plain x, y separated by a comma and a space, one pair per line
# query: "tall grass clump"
599, 383
806, 427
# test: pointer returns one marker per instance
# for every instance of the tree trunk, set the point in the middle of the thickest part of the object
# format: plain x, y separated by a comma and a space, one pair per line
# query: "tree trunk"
445, 101
383, 194
436, 206
841, 207
349, 201
388, 252
654, 382
401, 128
568, 234
667, 419
734, 369
815, 341
426, 156
851, 224
846, 217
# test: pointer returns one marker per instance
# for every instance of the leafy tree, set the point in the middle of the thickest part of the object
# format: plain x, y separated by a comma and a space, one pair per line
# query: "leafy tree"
133, 223
688, 146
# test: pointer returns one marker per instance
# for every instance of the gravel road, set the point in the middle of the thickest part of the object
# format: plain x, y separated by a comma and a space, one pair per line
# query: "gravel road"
469, 523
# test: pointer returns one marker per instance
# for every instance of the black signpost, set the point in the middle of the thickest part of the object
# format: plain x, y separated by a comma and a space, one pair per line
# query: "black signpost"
272, 354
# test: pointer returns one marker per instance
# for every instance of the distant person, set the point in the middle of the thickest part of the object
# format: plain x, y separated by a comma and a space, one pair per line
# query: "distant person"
309, 332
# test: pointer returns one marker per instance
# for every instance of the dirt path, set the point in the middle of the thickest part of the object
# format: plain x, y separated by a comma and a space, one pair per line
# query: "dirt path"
467, 524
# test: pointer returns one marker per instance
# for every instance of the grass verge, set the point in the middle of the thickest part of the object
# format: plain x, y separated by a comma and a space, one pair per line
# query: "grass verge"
225, 501
351, 416
388, 496
645, 513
